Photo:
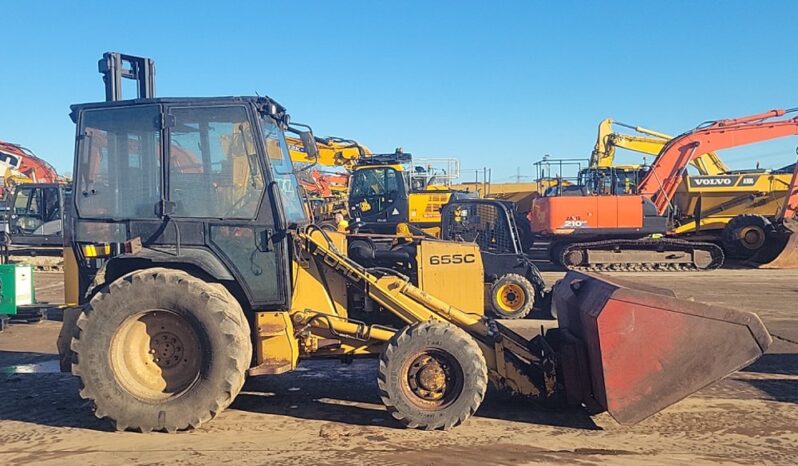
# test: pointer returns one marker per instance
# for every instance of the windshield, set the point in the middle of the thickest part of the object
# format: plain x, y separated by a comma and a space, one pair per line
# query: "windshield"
282, 170
371, 182
375, 188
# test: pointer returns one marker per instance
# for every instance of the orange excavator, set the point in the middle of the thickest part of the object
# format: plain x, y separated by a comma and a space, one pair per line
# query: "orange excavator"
629, 231
31, 195
20, 165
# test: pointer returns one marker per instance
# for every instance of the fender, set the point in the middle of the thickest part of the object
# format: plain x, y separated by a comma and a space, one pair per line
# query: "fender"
190, 259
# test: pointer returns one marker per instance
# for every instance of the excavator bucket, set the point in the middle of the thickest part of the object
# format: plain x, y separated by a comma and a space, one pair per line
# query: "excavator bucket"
781, 249
641, 349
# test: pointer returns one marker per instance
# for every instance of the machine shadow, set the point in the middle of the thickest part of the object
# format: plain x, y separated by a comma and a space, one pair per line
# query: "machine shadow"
35, 391
779, 389
348, 394
776, 363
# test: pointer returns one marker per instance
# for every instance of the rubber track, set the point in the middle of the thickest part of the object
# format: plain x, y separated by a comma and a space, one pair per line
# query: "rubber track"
647, 245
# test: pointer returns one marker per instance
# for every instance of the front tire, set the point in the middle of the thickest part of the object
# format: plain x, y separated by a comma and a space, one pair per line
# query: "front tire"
159, 349
432, 376
512, 296
745, 235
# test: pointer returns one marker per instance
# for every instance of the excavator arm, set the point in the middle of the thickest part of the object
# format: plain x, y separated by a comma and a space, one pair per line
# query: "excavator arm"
651, 144
662, 180
790, 209
333, 152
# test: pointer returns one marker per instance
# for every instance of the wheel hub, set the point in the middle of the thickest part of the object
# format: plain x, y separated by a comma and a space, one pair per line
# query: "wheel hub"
156, 355
574, 258
166, 349
429, 377
511, 296
752, 237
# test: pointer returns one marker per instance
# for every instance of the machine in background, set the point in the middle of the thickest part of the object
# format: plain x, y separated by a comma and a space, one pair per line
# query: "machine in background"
514, 283
388, 189
621, 231
735, 207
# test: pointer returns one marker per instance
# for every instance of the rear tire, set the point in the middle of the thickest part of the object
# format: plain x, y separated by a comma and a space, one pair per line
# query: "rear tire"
745, 235
432, 376
512, 296
159, 349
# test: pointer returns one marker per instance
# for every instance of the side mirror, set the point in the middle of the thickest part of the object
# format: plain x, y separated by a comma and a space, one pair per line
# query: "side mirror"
310, 144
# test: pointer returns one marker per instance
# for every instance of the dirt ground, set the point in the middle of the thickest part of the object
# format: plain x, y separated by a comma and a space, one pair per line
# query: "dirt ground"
329, 413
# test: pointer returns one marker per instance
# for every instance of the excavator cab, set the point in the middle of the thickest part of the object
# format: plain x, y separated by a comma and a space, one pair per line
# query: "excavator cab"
385, 192
35, 214
378, 193
618, 179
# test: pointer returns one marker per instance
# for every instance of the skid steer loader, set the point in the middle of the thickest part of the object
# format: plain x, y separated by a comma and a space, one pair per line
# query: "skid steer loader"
198, 267
514, 283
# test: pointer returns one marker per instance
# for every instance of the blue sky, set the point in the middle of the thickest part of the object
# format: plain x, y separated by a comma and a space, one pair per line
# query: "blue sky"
494, 84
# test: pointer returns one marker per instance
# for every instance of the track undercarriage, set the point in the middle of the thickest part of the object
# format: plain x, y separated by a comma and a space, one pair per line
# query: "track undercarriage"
648, 254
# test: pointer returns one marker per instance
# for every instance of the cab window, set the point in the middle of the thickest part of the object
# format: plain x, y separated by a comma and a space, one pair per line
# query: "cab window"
119, 174
282, 171
375, 182
213, 163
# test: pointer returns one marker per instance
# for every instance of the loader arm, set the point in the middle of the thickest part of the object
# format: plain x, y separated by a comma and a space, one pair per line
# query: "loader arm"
399, 296
598, 358
663, 179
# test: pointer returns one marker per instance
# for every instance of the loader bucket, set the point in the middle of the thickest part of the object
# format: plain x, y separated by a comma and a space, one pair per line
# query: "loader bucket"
781, 249
642, 348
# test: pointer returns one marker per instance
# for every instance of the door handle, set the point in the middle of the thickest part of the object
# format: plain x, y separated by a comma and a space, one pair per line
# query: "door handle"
263, 240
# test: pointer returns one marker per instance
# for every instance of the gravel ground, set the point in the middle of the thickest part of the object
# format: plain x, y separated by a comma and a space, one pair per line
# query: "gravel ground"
329, 413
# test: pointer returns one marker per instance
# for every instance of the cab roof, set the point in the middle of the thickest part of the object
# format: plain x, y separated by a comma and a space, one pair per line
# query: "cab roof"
272, 107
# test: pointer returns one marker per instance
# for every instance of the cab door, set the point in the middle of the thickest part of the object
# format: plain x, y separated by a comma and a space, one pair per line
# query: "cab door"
36, 217
216, 188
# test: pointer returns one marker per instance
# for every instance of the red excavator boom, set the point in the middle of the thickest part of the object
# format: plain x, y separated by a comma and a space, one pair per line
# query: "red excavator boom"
662, 180
24, 162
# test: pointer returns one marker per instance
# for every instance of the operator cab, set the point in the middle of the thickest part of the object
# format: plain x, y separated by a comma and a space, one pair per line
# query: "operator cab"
35, 216
378, 192
617, 180
205, 182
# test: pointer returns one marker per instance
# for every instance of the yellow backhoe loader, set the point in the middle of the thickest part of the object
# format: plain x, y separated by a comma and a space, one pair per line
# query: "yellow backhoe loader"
190, 289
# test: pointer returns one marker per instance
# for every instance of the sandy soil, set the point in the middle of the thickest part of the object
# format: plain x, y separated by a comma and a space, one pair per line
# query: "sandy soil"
329, 413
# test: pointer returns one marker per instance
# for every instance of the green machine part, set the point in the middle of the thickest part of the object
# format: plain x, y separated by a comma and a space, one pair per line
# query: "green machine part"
16, 287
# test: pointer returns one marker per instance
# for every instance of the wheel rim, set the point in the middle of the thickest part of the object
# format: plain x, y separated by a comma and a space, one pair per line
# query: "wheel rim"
510, 297
433, 379
752, 238
156, 355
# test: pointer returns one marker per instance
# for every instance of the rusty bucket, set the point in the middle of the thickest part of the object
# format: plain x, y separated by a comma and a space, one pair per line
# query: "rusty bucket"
643, 348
